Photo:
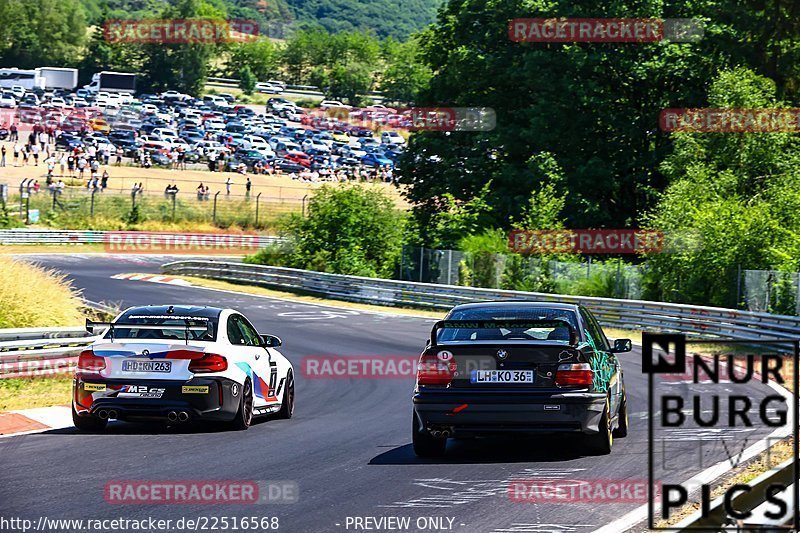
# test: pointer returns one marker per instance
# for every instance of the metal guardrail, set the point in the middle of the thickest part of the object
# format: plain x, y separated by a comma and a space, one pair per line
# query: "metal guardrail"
26, 352
698, 321
41, 351
46, 236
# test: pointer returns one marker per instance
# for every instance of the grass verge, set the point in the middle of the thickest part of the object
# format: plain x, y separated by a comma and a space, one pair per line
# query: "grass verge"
31, 296
28, 393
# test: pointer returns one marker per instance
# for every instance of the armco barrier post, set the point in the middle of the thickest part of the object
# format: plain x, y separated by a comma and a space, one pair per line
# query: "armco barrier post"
174, 202
214, 213
258, 197
91, 204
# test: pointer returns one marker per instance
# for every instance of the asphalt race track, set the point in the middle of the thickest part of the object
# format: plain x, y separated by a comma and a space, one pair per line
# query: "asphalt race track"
348, 446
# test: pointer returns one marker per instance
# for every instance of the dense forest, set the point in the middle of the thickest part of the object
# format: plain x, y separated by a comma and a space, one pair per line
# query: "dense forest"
278, 18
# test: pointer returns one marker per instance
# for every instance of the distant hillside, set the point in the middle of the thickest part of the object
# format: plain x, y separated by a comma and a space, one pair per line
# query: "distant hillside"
396, 18
264, 11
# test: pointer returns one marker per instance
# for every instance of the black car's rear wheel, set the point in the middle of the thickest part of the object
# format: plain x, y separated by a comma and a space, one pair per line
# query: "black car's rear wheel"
622, 418
601, 442
424, 444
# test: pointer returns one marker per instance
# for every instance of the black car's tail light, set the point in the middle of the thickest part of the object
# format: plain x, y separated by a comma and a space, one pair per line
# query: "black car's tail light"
576, 374
433, 371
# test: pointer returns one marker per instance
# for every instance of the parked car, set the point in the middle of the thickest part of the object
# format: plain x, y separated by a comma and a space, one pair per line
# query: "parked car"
376, 160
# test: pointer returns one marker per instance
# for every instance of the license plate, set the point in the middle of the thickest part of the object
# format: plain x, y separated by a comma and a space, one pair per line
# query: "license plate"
501, 376
132, 365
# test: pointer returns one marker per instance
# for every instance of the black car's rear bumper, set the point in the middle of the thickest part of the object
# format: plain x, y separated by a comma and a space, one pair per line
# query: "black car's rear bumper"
200, 398
471, 413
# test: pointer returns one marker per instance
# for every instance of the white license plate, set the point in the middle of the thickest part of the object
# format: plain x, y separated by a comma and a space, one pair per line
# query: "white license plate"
132, 365
501, 376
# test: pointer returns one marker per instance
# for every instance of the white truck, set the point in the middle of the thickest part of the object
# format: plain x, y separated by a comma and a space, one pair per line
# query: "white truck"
113, 82
27, 79
59, 78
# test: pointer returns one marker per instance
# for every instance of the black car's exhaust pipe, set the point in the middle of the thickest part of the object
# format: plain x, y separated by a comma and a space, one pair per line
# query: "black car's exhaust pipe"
183, 416
103, 414
113, 414
172, 416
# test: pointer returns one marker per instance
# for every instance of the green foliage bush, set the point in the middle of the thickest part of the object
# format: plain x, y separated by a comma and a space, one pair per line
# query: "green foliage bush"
348, 230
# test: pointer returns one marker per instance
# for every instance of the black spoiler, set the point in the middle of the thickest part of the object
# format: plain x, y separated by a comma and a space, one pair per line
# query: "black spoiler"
91, 325
505, 324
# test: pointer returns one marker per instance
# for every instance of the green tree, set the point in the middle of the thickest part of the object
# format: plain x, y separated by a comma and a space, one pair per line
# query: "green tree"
732, 202
260, 55
247, 80
34, 33
406, 76
182, 67
348, 230
348, 82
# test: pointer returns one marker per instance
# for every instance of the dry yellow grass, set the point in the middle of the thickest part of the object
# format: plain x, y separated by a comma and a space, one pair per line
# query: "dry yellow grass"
31, 296
29, 393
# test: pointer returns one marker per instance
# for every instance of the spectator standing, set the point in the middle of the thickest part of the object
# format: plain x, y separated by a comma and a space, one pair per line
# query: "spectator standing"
51, 165
14, 133
3, 156
119, 156
17, 149
104, 181
247, 186
43, 138
228, 183
35, 150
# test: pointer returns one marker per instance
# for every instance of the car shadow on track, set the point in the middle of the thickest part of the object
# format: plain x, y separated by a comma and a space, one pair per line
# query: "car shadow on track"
155, 428
538, 449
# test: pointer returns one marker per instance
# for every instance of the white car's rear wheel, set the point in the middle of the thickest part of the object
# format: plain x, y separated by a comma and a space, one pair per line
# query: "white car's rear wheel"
87, 423
287, 407
244, 416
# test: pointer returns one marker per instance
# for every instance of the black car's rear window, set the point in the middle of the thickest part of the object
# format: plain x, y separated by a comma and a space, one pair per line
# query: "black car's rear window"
173, 327
560, 334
